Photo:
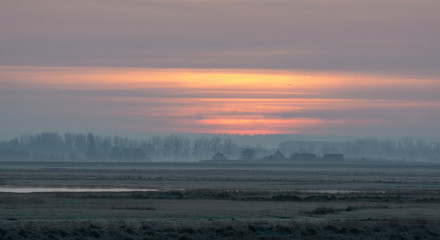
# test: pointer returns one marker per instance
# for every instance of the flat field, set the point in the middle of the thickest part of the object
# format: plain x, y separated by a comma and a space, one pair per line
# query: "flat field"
340, 200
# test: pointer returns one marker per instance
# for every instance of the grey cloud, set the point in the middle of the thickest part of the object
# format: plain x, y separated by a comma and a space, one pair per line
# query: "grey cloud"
342, 35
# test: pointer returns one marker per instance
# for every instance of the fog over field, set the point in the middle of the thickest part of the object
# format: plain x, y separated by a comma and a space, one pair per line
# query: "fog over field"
87, 186
52, 146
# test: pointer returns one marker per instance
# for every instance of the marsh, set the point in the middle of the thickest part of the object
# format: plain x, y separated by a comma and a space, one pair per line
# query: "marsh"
196, 200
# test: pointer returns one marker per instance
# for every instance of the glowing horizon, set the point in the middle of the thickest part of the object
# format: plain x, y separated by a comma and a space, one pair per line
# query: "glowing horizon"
223, 101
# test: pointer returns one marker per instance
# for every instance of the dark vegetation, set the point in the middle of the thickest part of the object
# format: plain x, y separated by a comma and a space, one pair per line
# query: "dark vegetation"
52, 146
391, 229
233, 206
322, 227
403, 149
399, 196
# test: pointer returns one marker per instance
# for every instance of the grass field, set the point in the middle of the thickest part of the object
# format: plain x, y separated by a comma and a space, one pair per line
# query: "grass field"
224, 201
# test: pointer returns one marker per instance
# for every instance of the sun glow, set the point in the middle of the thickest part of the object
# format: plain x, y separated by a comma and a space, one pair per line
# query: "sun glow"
217, 100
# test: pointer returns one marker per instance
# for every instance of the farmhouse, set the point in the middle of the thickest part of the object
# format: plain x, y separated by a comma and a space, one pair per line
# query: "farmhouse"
277, 156
303, 156
218, 157
333, 157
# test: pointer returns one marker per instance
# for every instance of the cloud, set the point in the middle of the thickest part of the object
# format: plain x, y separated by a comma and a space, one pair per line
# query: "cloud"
216, 101
356, 36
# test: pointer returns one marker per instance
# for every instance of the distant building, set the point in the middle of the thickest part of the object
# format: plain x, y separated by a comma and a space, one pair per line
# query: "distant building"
277, 156
303, 156
219, 157
333, 157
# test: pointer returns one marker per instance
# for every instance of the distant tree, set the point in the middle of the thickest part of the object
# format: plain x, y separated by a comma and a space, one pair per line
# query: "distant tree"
103, 144
138, 154
115, 154
91, 149
69, 141
214, 144
15, 144
228, 146
247, 154
186, 148
126, 154
156, 146
45, 143
80, 144
174, 146
11, 154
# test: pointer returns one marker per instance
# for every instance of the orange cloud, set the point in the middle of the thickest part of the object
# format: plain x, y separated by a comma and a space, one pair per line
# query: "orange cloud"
223, 100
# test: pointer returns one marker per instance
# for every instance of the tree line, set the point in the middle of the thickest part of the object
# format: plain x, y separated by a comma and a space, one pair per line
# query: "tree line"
77, 147
402, 149
52, 146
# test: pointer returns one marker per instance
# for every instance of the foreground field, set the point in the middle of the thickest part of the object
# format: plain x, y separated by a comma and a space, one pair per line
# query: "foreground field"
192, 201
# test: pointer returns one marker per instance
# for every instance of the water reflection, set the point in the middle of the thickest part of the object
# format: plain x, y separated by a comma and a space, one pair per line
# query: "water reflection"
71, 189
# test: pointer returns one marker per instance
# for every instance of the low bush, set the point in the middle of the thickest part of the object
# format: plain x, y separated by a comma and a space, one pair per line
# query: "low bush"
323, 210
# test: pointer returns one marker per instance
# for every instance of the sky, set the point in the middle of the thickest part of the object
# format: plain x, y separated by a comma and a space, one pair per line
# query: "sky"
316, 67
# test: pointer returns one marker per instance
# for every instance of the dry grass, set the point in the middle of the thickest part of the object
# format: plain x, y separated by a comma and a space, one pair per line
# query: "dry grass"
238, 230
249, 203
